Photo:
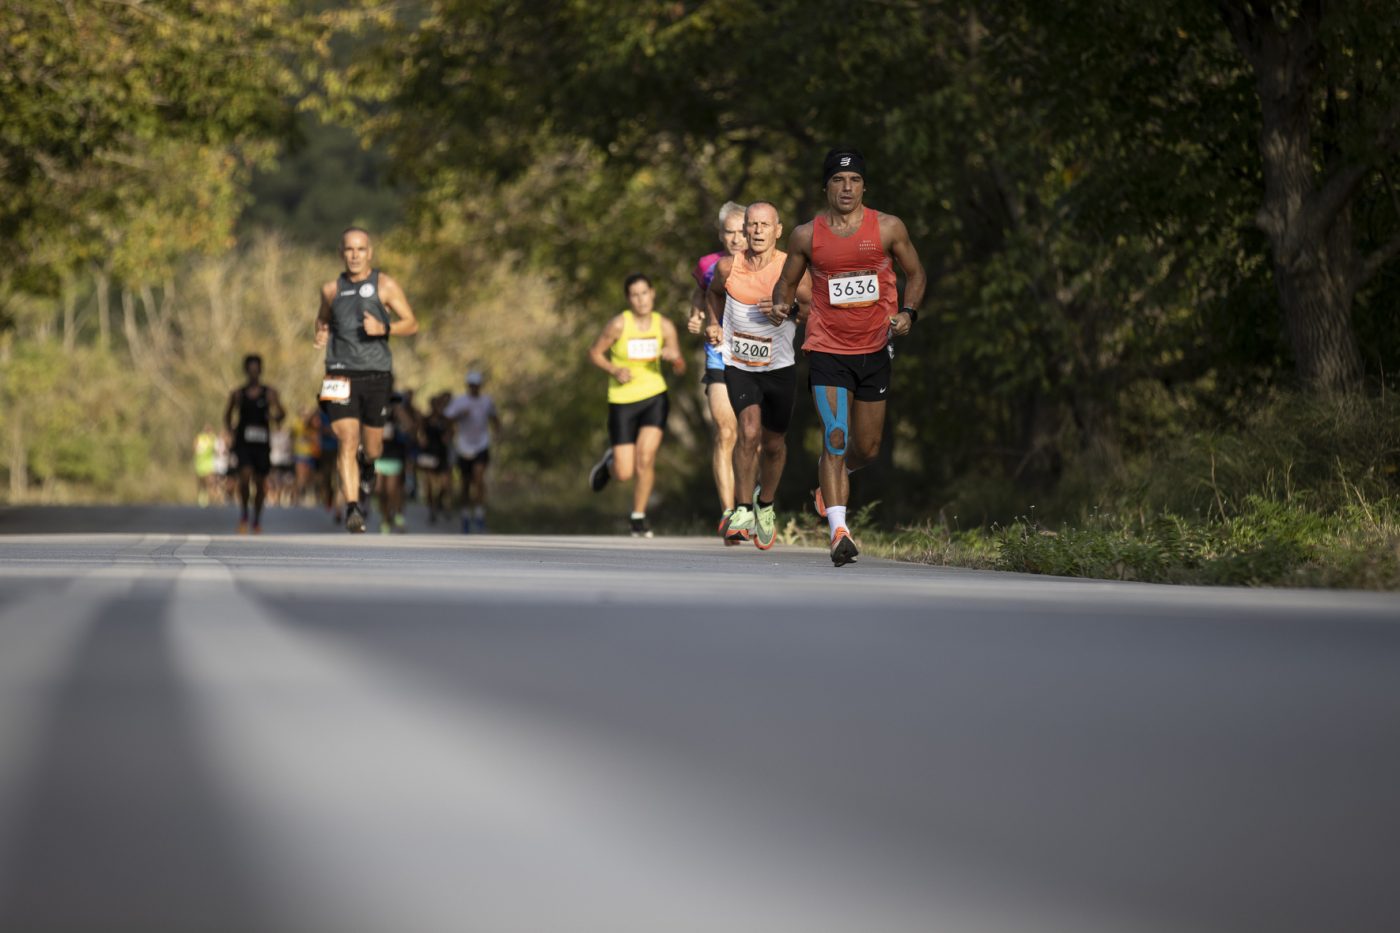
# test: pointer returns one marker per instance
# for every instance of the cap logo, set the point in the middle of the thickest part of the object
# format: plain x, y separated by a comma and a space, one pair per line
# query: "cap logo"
845, 160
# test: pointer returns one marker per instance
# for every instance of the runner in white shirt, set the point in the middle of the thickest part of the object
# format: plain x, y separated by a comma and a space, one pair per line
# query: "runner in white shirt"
475, 417
760, 369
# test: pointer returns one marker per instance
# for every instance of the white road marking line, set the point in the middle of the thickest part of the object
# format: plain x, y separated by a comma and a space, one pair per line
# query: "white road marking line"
39, 636
371, 802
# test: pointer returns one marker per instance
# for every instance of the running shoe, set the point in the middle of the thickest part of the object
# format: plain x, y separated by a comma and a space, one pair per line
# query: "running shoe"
640, 528
257, 529
481, 526
400, 524
243, 526
818, 502
354, 519
466, 525
739, 528
843, 549
602, 471
723, 520
765, 531
384, 527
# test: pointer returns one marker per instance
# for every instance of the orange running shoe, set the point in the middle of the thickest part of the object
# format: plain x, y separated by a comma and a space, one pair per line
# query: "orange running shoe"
243, 526
843, 548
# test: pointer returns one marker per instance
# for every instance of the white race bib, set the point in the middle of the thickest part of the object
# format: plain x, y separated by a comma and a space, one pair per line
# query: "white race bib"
643, 349
428, 461
255, 434
335, 389
853, 289
750, 350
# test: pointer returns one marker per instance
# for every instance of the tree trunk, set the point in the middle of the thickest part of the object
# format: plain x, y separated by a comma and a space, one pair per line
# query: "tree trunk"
19, 460
1307, 219
70, 313
102, 285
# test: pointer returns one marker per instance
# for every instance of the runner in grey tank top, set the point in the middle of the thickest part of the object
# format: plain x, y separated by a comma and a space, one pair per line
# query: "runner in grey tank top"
351, 348
359, 313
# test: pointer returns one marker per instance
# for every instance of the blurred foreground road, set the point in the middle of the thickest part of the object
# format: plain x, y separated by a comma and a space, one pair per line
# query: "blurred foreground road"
313, 732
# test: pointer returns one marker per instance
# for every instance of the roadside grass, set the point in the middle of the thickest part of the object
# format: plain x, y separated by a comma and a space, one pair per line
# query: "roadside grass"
1301, 492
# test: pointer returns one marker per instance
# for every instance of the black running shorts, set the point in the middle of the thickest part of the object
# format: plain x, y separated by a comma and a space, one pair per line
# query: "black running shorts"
466, 464
773, 391
624, 421
368, 402
865, 375
255, 457
712, 377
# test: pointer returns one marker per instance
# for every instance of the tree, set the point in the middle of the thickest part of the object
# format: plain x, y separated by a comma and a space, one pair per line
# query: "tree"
1329, 108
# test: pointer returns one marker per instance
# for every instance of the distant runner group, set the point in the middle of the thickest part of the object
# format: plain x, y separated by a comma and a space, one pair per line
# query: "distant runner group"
836, 281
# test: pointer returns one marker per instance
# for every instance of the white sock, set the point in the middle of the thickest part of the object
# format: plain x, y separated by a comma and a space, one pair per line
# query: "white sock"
637, 515
836, 518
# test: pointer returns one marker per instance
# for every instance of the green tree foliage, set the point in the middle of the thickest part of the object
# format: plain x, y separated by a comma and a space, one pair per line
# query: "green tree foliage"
1084, 179
130, 121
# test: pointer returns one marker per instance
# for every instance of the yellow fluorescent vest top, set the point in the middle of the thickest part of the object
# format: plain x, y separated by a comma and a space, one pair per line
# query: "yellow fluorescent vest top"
639, 351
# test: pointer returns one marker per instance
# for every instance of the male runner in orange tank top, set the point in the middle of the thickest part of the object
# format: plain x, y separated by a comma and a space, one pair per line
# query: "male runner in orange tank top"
855, 310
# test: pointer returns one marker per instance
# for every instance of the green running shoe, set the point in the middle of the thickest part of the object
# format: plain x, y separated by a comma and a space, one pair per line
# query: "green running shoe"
739, 527
765, 527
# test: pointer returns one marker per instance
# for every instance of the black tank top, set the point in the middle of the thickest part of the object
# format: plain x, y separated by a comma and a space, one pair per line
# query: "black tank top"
350, 348
435, 436
252, 417
395, 441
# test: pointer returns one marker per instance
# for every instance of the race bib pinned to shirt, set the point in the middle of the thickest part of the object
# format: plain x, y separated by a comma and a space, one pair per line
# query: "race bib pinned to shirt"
254, 434
853, 289
748, 350
335, 389
643, 349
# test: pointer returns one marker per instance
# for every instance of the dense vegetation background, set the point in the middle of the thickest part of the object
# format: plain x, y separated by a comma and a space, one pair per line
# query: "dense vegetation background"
1162, 239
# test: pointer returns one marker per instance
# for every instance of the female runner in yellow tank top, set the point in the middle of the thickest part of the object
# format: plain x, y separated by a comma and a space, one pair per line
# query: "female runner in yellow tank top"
630, 350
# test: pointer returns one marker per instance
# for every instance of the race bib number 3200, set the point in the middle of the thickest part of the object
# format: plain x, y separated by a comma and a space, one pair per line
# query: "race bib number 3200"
643, 349
750, 350
853, 289
335, 389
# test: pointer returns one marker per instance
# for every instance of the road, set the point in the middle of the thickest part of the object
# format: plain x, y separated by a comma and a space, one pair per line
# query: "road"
312, 732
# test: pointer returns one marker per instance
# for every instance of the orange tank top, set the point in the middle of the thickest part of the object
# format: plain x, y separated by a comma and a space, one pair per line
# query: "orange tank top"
853, 289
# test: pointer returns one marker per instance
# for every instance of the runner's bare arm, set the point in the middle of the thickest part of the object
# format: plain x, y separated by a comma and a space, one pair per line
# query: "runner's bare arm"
229, 410
799, 257
714, 301
598, 353
804, 297
671, 347
323, 316
274, 406
695, 321
396, 301
896, 236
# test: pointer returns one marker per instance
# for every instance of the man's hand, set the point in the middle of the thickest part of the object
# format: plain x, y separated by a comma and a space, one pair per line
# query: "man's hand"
714, 334
775, 313
901, 324
374, 327
323, 335
678, 365
695, 323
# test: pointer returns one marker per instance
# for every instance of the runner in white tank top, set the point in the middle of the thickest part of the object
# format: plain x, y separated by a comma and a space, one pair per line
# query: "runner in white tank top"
760, 370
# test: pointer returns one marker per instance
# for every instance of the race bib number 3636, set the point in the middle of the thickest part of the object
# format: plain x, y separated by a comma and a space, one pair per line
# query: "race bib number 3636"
335, 389
853, 289
643, 349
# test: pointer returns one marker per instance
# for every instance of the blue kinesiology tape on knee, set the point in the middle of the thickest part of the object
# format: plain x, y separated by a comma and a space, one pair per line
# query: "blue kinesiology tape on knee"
833, 421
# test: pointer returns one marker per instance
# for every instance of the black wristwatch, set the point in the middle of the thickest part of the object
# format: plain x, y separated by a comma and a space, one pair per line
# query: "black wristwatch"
913, 314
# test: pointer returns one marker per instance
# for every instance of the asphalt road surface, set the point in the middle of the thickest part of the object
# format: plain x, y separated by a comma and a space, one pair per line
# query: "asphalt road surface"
312, 732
